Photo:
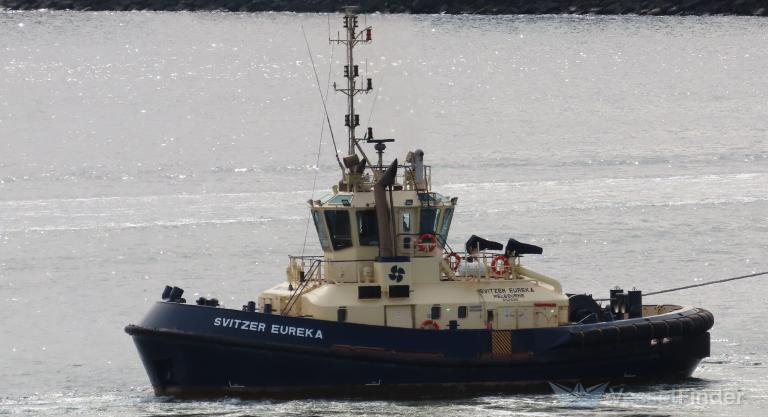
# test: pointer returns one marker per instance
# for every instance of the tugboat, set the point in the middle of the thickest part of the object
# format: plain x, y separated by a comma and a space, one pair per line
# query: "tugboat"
390, 308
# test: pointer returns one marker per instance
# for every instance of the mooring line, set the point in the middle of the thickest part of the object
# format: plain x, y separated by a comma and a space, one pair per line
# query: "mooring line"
705, 283
646, 294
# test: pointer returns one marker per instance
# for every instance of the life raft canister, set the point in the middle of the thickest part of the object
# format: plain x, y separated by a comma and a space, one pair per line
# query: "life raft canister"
500, 270
426, 243
429, 325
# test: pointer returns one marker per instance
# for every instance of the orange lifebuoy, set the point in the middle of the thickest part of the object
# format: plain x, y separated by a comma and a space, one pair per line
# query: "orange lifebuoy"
500, 271
454, 260
426, 247
430, 325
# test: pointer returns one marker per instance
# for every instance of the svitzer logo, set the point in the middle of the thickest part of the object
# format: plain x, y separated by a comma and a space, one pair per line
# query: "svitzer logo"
396, 273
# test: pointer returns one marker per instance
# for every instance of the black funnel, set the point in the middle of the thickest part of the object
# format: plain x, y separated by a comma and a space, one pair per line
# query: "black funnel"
387, 179
477, 243
515, 248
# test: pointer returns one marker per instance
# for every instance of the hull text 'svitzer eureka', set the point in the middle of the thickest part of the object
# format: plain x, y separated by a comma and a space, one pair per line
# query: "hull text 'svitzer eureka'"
390, 308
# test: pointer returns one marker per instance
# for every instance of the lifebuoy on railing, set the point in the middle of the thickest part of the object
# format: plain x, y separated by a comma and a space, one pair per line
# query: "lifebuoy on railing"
454, 260
500, 265
430, 325
426, 243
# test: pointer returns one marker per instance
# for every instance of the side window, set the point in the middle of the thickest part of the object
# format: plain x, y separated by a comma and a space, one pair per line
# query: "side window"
321, 233
339, 228
428, 222
367, 228
405, 225
446, 226
462, 312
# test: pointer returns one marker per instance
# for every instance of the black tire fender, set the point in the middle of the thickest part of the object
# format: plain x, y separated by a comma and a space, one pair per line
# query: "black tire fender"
627, 333
675, 327
660, 329
644, 330
689, 326
593, 337
611, 334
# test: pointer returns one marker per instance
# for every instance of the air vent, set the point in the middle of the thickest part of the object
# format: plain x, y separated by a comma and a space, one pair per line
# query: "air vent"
399, 291
367, 292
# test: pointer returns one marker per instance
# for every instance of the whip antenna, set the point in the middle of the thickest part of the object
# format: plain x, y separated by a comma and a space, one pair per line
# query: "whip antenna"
322, 99
317, 158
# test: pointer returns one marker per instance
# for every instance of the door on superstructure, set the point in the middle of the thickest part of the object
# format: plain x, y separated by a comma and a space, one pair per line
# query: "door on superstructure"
491, 319
507, 318
407, 231
399, 316
525, 318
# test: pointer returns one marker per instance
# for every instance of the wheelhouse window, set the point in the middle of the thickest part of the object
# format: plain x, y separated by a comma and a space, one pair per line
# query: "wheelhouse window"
339, 228
429, 218
442, 237
367, 228
341, 199
325, 243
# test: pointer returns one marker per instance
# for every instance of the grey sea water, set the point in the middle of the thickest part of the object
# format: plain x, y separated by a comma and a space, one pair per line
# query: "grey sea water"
145, 149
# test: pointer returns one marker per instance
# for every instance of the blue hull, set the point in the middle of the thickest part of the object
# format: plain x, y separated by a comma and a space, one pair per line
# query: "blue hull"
196, 352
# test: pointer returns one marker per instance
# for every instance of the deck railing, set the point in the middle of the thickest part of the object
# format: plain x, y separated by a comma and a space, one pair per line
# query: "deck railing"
480, 267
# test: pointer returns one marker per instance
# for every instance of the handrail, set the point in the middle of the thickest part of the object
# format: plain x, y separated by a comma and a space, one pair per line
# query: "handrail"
556, 286
314, 269
481, 259
412, 250
586, 317
322, 259
516, 270
408, 176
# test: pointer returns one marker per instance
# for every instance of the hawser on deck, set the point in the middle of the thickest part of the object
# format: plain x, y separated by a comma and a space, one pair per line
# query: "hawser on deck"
391, 308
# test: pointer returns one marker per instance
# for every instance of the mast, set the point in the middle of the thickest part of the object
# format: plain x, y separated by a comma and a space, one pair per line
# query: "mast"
351, 72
